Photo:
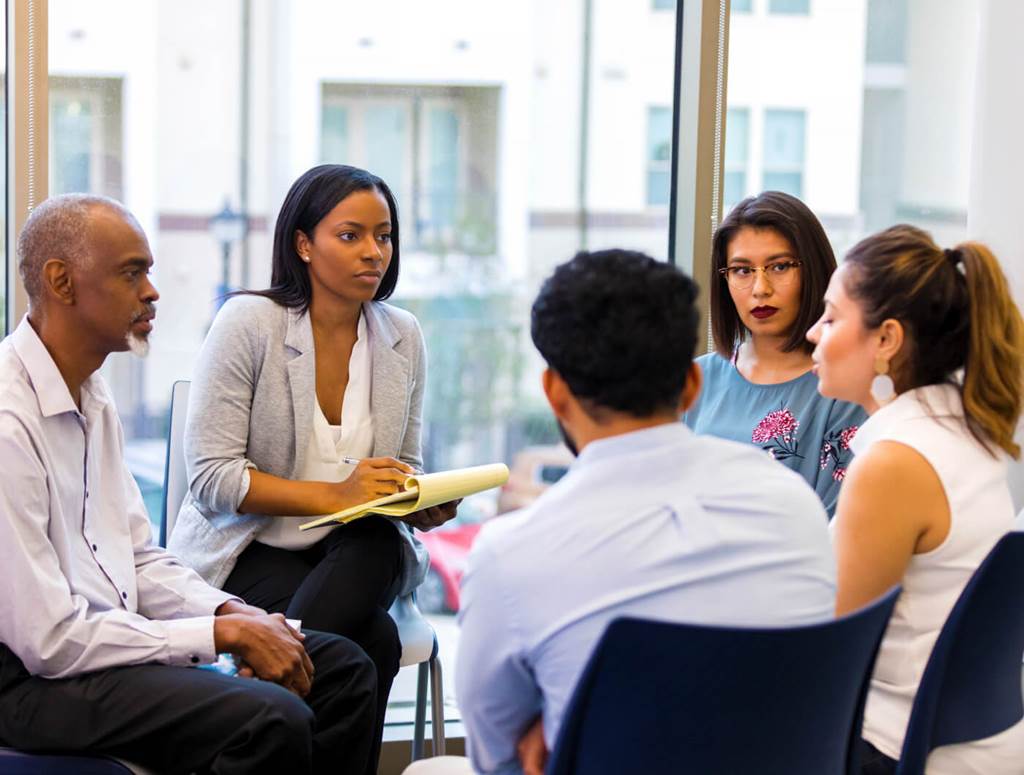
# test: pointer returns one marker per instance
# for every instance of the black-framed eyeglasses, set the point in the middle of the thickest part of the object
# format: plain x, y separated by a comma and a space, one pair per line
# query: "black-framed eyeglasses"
779, 274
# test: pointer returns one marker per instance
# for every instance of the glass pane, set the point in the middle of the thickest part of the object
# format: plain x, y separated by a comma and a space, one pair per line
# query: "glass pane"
442, 175
788, 182
479, 136
85, 135
72, 122
783, 138
737, 137
887, 42
735, 188
789, 6
659, 152
386, 140
741, 6
659, 134
885, 133
334, 135
658, 183
664, 5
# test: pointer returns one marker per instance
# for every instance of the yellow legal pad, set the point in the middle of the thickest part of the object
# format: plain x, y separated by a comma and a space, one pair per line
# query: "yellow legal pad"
421, 492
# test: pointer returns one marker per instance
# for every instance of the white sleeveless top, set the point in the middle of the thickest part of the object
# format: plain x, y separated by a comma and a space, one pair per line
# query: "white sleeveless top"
930, 420
328, 444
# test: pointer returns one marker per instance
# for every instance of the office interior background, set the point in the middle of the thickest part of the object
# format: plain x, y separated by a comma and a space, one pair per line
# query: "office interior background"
513, 135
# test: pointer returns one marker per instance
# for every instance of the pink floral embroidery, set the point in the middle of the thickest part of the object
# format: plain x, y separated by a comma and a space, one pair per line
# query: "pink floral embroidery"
777, 432
835, 448
780, 424
846, 436
826, 450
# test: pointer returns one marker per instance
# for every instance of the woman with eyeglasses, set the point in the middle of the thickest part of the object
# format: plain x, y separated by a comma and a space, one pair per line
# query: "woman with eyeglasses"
771, 263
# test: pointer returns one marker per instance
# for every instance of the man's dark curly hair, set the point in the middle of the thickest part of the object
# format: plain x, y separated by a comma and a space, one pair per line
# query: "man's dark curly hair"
620, 328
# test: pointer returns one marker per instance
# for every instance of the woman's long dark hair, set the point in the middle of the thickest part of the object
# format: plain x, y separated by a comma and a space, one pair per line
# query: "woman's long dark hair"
793, 220
309, 200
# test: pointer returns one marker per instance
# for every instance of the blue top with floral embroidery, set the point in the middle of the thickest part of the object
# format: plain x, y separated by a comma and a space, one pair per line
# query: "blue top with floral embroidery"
791, 420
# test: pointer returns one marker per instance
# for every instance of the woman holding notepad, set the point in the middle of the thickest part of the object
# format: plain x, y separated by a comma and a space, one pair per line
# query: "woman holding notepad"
307, 400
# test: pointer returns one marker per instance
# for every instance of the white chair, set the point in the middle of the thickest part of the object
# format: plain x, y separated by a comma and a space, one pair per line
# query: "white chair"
419, 642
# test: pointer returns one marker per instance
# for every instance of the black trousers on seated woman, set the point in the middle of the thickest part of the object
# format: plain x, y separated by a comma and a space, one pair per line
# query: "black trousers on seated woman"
343, 584
874, 762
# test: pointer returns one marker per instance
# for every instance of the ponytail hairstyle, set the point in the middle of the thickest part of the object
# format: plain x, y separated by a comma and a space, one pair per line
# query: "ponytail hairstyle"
957, 310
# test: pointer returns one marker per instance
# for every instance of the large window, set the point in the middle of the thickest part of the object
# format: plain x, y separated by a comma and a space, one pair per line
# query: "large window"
85, 135
476, 126
866, 107
659, 155
784, 151
440, 163
737, 142
862, 109
789, 6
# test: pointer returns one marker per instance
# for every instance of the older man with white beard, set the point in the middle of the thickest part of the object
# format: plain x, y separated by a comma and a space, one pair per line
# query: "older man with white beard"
99, 626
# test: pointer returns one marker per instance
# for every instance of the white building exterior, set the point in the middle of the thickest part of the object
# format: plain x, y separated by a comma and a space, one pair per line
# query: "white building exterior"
472, 111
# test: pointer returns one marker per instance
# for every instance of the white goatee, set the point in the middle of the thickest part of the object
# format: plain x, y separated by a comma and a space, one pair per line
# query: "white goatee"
138, 345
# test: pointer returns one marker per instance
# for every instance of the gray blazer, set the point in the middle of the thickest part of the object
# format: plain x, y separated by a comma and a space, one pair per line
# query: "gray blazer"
251, 406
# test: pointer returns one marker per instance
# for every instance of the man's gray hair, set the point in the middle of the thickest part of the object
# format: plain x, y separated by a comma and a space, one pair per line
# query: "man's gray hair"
59, 228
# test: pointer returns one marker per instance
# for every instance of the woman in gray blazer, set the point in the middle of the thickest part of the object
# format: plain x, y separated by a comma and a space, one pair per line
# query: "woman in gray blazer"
307, 399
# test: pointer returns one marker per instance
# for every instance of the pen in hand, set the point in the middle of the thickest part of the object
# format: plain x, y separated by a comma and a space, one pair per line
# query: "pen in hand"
350, 461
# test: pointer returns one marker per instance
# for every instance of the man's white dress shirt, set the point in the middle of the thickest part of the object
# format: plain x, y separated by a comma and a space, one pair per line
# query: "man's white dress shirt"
86, 586
659, 524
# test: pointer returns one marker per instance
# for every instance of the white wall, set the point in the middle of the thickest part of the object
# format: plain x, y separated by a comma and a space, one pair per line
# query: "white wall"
997, 164
940, 81
814, 63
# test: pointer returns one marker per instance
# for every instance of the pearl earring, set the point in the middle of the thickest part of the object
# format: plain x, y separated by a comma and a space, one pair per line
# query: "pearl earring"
883, 390
305, 258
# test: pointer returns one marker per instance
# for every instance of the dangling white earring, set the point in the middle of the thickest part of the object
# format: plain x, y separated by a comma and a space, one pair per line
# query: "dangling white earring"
882, 388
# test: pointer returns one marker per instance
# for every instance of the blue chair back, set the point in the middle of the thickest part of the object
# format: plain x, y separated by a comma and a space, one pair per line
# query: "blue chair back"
662, 697
971, 686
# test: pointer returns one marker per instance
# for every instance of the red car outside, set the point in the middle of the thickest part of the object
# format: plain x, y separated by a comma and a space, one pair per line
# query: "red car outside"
534, 469
449, 547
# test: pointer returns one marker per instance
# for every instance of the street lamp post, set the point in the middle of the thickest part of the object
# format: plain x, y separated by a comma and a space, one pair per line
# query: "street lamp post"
227, 227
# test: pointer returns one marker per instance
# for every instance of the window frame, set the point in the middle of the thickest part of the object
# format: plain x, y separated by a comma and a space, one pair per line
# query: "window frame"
657, 166
26, 146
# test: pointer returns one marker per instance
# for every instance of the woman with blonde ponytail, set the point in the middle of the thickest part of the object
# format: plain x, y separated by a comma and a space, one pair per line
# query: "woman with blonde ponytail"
930, 343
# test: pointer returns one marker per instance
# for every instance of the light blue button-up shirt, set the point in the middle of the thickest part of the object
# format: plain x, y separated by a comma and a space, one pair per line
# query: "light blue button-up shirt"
658, 523
87, 588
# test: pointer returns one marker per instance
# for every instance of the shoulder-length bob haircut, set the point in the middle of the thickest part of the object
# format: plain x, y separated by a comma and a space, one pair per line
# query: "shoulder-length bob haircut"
309, 200
792, 220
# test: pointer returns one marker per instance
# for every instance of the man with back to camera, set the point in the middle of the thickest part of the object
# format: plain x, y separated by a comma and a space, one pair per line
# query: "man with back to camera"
650, 521
100, 626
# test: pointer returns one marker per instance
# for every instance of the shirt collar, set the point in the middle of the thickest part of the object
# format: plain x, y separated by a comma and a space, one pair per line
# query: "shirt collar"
299, 333
47, 382
634, 441
936, 401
